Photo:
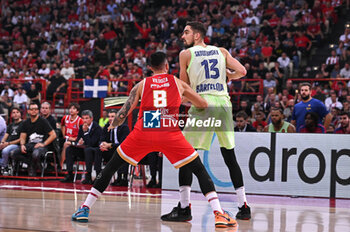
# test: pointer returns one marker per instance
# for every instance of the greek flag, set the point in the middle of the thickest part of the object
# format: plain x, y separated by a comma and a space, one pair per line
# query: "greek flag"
96, 88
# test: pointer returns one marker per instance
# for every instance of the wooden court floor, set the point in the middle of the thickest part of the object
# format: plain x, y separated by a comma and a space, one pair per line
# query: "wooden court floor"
48, 206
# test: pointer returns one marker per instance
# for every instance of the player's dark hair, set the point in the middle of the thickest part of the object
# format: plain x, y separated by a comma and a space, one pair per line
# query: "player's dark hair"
242, 114
198, 27
304, 84
157, 60
276, 109
75, 105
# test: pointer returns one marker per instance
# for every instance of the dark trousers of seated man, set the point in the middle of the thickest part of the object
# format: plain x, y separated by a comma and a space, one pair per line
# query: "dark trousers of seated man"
87, 154
106, 156
32, 157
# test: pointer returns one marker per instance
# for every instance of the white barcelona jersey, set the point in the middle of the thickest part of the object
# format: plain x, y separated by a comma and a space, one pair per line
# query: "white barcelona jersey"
207, 70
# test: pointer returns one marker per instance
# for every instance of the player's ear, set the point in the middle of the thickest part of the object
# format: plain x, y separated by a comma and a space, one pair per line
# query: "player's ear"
197, 36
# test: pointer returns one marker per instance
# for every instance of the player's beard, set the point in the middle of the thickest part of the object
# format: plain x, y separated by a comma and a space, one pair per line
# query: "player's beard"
305, 97
277, 123
189, 45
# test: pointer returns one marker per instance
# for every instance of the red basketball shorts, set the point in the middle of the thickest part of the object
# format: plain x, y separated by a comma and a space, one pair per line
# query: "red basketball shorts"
172, 144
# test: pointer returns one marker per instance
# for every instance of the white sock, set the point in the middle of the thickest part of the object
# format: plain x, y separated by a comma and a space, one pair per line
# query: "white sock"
214, 202
92, 197
241, 198
185, 192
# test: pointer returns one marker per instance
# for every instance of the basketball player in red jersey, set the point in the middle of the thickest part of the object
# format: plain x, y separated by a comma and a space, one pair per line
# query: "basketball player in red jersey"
70, 127
160, 97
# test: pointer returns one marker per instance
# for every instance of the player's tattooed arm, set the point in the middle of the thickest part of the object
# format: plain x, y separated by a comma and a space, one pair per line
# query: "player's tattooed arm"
128, 106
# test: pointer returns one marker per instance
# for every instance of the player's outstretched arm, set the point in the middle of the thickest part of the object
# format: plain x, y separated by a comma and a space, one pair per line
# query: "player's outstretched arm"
232, 63
191, 95
129, 105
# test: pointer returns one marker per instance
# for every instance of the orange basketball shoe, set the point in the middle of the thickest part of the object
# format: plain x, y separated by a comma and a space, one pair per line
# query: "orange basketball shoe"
223, 220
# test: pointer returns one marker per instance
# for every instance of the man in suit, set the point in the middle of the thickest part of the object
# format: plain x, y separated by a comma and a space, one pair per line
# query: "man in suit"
87, 141
242, 124
110, 140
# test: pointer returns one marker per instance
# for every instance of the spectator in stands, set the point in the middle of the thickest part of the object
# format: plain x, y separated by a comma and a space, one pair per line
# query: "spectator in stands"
104, 119
242, 124
303, 43
345, 72
140, 60
343, 93
101, 48
244, 106
278, 74
109, 141
309, 104
56, 84
9, 91
67, 71
332, 61
269, 82
10, 142
259, 120
33, 94
80, 66
287, 112
36, 135
311, 124
44, 71
8, 70
344, 123
345, 38
320, 94
45, 112
314, 31
20, 99
333, 102
5, 104
266, 52
254, 4
277, 122
85, 147
285, 64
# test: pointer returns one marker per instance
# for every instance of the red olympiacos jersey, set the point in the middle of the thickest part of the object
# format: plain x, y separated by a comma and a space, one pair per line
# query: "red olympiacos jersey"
161, 92
72, 127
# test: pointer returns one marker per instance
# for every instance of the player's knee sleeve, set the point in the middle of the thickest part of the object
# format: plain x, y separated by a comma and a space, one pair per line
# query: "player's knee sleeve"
185, 176
105, 176
205, 182
233, 166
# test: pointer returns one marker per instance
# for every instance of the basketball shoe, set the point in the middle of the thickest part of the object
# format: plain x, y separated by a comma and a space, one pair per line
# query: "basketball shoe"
82, 214
243, 212
178, 214
223, 220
